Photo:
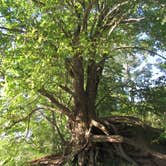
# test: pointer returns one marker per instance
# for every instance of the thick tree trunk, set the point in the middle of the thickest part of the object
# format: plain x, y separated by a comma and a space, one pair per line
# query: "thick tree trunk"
84, 105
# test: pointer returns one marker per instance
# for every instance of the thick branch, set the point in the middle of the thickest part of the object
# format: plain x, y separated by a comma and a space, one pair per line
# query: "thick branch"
64, 112
78, 73
91, 87
78, 86
116, 139
116, 23
94, 73
68, 90
62, 108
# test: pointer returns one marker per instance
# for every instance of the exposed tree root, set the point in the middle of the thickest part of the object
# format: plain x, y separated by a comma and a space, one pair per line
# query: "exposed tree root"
125, 138
49, 160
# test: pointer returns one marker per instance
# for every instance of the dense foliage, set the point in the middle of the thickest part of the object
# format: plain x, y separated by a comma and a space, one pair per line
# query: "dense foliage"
38, 41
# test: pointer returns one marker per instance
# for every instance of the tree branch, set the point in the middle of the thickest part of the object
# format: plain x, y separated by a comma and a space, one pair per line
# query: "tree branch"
24, 118
62, 25
109, 19
116, 23
62, 108
115, 8
54, 124
12, 29
133, 20
28, 127
64, 112
98, 24
68, 90
86, 14
139, 48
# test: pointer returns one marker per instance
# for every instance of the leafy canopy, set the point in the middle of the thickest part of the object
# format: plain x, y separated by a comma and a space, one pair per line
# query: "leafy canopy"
38, 36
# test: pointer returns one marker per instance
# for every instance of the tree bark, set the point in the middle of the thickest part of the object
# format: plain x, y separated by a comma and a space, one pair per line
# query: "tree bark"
84, 104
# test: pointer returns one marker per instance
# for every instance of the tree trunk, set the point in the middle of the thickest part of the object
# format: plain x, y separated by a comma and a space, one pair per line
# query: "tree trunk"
84, 105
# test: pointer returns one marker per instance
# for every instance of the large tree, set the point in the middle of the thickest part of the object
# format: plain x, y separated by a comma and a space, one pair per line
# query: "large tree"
54, 55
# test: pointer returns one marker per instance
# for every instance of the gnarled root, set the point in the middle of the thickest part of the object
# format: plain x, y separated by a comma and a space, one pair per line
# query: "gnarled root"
113, 139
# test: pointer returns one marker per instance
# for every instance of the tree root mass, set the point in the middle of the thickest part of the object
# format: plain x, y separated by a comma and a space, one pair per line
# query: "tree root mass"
113, 141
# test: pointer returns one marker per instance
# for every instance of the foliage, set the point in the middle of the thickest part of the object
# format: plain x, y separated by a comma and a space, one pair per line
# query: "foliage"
38, 37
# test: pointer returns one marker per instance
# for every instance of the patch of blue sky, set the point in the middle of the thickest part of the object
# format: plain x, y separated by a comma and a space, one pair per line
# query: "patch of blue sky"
153, 63
143, 36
